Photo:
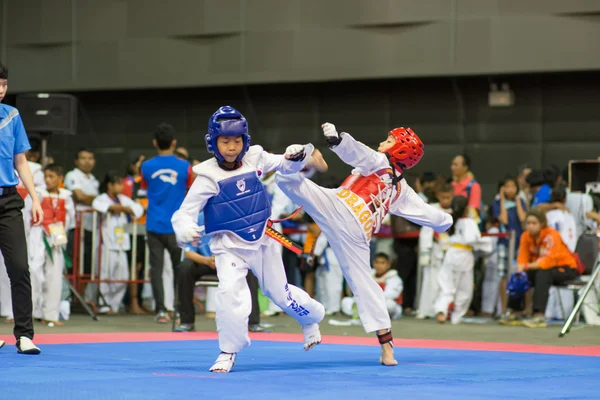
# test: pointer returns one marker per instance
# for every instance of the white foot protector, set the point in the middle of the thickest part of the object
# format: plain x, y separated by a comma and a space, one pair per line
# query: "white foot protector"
1, 343
26, 346
224, 362
312, 336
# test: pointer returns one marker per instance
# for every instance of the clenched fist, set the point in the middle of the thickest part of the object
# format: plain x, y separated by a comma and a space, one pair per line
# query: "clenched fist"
295, 152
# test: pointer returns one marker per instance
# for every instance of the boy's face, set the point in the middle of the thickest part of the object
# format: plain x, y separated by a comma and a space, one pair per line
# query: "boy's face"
445, 199
52, 180
3, 88
381, 265
230, 147
116, 187
387, 144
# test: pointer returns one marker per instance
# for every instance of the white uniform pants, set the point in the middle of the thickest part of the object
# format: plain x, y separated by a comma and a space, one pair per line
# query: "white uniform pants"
490, 288
330, 282
346, 238
430, 290
114, 267
5, 292
234, 302
46, 277
456, 283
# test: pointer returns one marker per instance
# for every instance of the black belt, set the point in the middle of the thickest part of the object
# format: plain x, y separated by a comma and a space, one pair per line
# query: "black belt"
6, 191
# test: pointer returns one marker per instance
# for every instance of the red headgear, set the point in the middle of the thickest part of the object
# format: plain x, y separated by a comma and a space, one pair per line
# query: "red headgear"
408, 150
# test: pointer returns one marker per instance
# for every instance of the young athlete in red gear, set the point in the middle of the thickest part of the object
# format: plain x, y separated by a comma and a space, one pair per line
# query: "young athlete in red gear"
350, 214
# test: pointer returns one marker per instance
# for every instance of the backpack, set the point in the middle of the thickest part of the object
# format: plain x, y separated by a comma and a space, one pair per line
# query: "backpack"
587, 252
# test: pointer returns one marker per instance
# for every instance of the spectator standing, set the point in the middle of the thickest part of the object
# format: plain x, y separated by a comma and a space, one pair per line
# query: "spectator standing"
166, 179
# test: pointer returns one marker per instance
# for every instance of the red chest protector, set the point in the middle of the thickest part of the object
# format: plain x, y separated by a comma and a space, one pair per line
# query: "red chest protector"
22, 190
372, 189
54, 211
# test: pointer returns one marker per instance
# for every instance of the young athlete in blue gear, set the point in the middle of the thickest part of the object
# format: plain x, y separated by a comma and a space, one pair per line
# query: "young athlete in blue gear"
236, 210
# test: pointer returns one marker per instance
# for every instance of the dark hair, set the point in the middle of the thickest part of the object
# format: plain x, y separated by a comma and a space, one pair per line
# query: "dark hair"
490, 217
558, 194
539, 215
382, 255
35, 144
536, 178
459, 206
132, 161
83, 150
57, 169
444, 187
110, 177
466, 160
3, 71
164, 134
428, 177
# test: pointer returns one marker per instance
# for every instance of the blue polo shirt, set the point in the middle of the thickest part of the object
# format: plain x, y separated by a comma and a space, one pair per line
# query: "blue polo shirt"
166, 180
13, 141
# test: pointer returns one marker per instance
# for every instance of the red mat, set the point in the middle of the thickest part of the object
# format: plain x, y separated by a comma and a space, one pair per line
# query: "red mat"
112, 337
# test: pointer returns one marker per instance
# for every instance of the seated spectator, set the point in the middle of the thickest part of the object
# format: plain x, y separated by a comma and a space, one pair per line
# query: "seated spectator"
198, 262
389, 281
547, 261
539, 187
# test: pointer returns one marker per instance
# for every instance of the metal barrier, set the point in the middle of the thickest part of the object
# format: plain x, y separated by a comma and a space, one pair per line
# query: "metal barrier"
78, 275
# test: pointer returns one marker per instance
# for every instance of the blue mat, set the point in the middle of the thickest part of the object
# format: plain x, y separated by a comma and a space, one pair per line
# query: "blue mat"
267, 370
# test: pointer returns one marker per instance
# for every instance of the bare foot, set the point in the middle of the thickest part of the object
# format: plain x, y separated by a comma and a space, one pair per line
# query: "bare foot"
136, 309
317, 161
387, 355
441, 318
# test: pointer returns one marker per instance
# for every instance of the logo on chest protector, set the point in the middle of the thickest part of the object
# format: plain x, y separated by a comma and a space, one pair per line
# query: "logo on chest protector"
241, 185
360, 210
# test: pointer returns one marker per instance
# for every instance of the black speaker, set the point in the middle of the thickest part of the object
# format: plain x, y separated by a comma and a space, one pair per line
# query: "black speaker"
48, 112
582, 172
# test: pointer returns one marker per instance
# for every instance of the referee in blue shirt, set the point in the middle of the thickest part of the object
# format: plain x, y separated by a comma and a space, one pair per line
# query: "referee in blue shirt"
13, 145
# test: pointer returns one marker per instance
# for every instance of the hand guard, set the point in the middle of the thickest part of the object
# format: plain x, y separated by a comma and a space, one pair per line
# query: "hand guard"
190, 235
331, 135
295, 152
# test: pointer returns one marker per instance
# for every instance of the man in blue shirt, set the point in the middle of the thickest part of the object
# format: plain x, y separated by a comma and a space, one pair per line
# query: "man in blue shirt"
166, 179
13, 145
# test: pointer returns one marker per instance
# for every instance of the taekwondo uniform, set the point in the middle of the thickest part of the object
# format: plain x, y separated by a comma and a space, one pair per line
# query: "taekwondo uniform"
236, 210
116, 242
350, 214
47, 247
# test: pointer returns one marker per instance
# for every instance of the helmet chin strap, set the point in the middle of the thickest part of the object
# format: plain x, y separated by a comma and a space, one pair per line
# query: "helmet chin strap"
236, 165
397, 178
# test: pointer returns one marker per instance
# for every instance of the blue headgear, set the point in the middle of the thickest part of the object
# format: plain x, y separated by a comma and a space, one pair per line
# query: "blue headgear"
226, 121
518, 284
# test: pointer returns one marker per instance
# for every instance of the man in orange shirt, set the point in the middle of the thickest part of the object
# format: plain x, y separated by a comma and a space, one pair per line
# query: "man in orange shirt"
546, 260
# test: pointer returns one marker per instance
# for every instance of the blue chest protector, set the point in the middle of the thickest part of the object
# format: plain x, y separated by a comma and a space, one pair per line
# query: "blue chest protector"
241, 207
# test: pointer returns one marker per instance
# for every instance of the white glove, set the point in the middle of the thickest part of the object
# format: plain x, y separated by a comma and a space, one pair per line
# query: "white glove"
329, 131
295, 152
189, 235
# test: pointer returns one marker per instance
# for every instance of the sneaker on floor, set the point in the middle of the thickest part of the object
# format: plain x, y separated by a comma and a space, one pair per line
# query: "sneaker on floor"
510, 320
257, 328
184, 328
161, 317
536, 322
26, 346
